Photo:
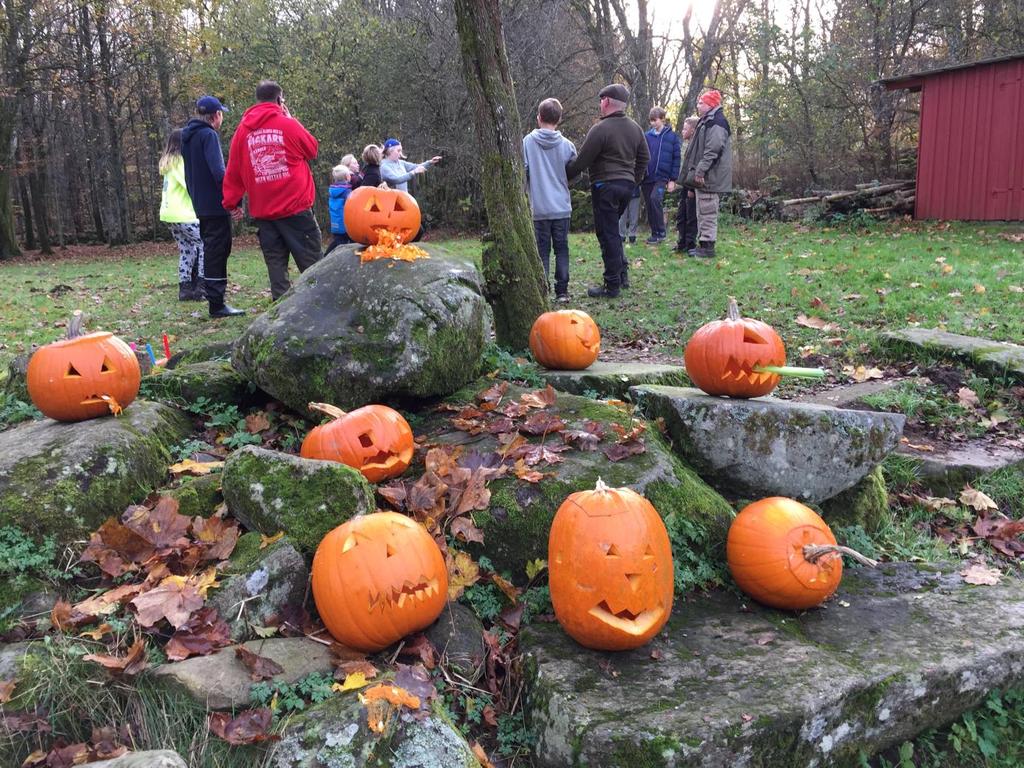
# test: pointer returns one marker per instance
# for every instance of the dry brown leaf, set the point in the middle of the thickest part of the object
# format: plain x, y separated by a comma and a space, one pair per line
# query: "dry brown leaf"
981, 574
259, 667
967, 397
197, 468
7, 690
257, 422
462, 572
862, 373
815, 322
130, 664
972, 497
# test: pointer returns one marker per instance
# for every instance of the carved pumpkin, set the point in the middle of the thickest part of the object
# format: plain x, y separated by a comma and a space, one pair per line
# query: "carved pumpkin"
370, 209
783, 554
374, 439
721, 356
377, 578
566, 340
610, 568
83, 376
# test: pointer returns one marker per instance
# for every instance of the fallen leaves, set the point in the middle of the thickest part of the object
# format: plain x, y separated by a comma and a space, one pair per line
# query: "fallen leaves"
249, 727
862, 373
972, 497
462, 572
981, 574
816, 323
203, 633
195, 468
128, 665
352, 682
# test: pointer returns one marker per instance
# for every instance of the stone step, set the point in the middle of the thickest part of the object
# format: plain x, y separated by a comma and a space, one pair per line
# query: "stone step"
993, 358
949, 467
613, 380
902, 648
771, 447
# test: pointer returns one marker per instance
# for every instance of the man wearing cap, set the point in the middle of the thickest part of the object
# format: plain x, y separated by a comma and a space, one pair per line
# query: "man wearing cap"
269, 161
204, 177
707, 168
615, 152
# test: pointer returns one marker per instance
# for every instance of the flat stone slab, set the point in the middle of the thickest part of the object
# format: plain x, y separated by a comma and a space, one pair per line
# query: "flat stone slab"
850, 394
613, 380
156, 758
771, 447
997, 358
220, 681
728, 683
949, 467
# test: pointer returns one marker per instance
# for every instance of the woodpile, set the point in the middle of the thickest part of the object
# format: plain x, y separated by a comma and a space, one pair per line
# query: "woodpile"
895, 199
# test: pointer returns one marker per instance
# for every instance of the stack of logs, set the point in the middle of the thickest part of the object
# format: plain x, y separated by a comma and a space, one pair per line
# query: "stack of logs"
876, 199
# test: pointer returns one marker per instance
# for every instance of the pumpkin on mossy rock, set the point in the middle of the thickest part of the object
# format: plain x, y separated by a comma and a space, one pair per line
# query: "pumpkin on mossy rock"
369, 210
377, 578
610, 568
565, 340
782, 554
83, 376
374, 439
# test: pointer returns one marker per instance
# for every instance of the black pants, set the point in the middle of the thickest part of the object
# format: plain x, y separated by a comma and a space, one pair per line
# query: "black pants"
654, 202
215, 232
297, 235
609, 199
686, 219
554, 232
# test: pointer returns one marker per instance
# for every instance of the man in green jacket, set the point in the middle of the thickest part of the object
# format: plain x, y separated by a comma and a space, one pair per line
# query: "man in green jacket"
615, 152
707, 167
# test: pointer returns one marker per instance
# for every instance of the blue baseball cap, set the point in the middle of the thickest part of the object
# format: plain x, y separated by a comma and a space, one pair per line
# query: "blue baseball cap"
208, 105
391, 143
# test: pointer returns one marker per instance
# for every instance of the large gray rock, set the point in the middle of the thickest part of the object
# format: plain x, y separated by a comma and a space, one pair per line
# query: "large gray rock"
458, 636
155, 758
613, 380
995, 358
63, 480
220, 681
728, 683
946, 469
334, 734
770, 447
257, 583
271, 491
351, 334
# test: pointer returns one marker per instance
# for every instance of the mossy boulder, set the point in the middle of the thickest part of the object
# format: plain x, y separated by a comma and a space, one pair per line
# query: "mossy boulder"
213, 350
271, 491
351, 334
257, 583
334, 734
866, 504
518, 520
196, 495
215, 380
63, 480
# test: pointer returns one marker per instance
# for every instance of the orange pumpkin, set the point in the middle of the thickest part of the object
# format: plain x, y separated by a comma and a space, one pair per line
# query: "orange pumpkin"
370, 209
377, 578
566, 340
721, 356
83, 376
782, 554
374, 439
610, 568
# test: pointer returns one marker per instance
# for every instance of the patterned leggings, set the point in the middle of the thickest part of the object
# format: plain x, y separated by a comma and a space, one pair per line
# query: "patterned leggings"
190, 251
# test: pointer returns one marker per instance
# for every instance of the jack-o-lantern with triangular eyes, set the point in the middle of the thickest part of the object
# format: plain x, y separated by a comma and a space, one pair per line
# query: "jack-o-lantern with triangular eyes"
610, 568
722, 357
378, 578
566, 340
371, 209
374, 439
83, 376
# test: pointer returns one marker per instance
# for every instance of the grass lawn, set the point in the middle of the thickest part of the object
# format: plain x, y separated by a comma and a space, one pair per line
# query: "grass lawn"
966, 278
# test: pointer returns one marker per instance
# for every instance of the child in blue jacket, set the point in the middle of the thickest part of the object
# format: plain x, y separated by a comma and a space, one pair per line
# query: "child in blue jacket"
338, 193
662, 170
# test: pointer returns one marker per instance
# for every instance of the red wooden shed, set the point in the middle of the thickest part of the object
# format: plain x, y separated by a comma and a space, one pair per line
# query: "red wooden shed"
970, 156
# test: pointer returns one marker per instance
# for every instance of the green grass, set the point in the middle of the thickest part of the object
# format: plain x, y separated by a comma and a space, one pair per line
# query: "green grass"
776, 271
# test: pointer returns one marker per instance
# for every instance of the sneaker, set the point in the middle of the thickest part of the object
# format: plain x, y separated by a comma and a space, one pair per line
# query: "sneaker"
654, 240
603, 292
562, 298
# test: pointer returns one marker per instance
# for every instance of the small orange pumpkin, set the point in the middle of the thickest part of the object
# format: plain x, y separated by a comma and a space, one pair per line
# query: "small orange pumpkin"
370, 209
782, 554
610, 568
83, 376
721, 356
565, 340
374, 439
377, 578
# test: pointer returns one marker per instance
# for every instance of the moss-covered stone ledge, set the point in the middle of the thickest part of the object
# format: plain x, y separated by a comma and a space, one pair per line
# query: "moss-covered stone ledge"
215, 380
613, 379
901, 649
271, 491
63, 480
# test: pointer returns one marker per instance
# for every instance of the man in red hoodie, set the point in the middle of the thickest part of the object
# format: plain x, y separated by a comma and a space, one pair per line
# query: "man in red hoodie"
268, 161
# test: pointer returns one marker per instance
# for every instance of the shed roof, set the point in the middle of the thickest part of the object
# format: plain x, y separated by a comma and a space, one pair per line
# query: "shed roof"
913, 80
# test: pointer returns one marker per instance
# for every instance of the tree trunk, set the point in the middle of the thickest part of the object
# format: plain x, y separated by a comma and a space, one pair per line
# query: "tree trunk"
8, 242
514, 278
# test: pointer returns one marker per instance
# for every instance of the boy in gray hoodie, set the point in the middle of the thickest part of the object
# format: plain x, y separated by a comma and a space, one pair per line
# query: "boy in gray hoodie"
546, 152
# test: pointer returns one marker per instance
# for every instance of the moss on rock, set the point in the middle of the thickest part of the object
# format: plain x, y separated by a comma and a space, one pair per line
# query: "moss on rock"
197, 495
866, 504
215, 380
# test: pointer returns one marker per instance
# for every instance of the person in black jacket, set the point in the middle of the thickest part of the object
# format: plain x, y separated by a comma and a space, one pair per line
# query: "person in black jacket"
372, 155
204, 177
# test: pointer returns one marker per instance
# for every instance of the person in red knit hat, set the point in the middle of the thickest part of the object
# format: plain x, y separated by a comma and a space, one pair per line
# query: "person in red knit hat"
269, 162
707, 168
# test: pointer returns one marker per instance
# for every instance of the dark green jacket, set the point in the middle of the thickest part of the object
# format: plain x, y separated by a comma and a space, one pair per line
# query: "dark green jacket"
615, 149
710, 153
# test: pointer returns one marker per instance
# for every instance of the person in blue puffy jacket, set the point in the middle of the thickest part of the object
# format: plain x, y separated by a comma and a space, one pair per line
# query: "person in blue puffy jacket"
662, 170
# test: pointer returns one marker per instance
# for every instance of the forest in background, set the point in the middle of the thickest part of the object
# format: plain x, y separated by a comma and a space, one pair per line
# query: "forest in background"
91, 88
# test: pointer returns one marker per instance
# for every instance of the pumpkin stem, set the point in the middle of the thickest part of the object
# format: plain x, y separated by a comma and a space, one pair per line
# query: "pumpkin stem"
74, 329
600, 487
733, 312
331, 410
791, 370
814, 552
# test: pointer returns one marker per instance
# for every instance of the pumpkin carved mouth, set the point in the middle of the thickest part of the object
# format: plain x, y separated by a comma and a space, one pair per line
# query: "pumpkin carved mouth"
396, 597
625, 620
737, 371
